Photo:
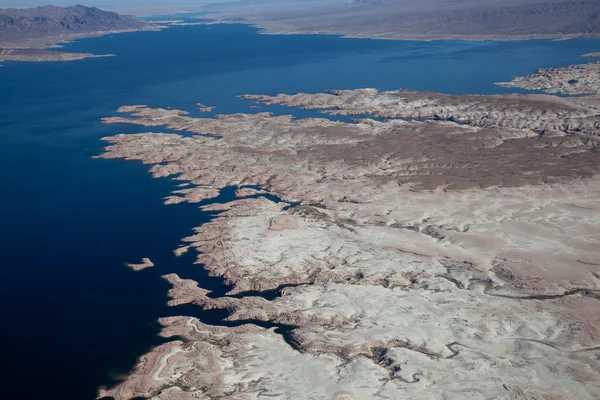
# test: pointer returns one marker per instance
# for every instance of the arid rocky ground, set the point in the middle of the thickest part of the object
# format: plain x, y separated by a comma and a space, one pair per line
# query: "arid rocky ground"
146, 263
26, 33
447, 250
21, 24
43, 55
420, 20
571, 80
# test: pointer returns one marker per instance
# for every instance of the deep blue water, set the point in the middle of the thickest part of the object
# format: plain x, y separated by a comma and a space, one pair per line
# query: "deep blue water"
73, 315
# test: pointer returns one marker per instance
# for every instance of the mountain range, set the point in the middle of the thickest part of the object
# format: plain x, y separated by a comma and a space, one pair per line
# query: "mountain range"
19, 24
421, 19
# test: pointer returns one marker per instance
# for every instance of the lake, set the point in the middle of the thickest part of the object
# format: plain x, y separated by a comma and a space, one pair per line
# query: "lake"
74, 316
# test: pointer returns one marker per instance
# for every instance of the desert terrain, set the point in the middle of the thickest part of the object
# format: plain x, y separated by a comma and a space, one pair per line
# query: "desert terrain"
27, 33
419, 20
434, 247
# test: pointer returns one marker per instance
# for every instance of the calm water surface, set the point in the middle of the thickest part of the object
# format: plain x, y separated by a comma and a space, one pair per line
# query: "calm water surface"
73, 316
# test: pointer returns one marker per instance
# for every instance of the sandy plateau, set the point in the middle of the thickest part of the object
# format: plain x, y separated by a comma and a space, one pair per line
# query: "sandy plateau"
448, 250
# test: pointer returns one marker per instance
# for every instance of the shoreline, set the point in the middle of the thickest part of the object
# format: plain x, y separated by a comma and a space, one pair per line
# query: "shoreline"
266, 28
350, 241
41, 55
52, 42
186, 271
41, 49
45, 45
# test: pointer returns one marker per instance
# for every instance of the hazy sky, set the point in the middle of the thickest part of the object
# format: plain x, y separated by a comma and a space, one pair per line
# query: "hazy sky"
103, 3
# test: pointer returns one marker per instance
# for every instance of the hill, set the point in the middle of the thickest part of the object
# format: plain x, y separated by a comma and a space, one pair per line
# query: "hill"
426, 19
33, 26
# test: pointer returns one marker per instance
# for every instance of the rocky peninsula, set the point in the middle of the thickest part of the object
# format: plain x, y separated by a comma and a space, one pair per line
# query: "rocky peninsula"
436, 247
571, 80
41, 55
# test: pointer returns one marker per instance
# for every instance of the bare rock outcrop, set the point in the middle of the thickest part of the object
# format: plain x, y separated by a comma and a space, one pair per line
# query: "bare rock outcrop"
25, 33
19, 25
41, 55
532, 112
146, 263
571, 80
449, 251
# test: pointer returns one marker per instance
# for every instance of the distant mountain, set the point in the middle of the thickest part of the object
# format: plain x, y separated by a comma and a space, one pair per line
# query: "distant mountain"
50, 21
424, 19
272, 4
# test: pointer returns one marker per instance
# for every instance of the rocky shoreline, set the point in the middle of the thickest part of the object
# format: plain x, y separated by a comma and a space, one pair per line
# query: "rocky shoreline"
572, 80
41, 55
449, 250
28, 34
146, 263
422, 20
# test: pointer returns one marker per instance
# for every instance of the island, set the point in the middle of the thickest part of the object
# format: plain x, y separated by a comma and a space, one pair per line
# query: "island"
27, 33
146, 263
204, 108
436, 246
